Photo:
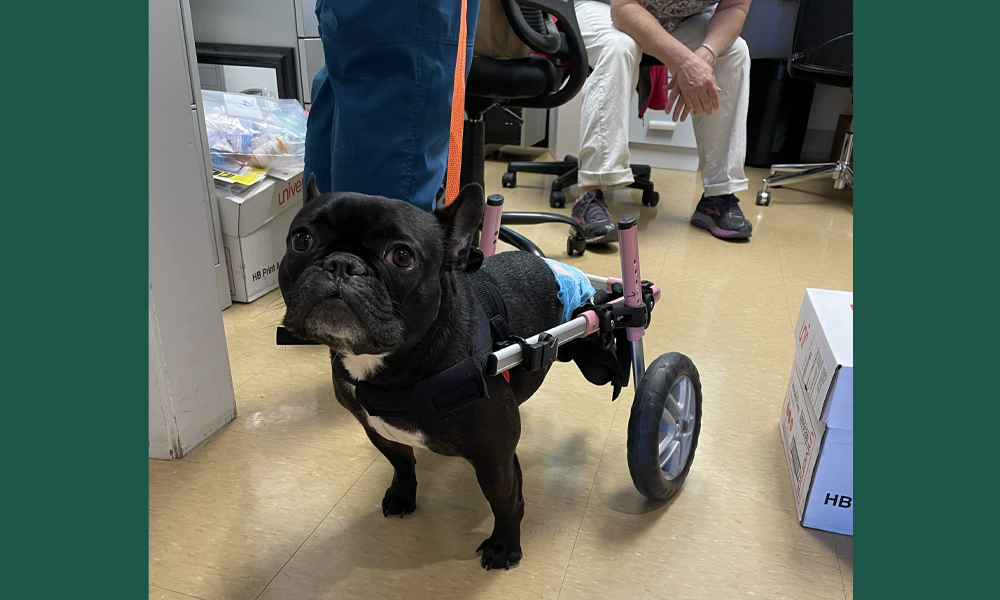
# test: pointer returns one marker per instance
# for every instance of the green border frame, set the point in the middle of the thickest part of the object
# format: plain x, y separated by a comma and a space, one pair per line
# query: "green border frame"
925, 323
75, 246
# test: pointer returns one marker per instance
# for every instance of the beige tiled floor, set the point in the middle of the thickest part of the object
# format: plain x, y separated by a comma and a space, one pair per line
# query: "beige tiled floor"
285, 502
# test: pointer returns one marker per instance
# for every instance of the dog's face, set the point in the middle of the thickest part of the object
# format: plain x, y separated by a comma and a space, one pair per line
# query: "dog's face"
363, 274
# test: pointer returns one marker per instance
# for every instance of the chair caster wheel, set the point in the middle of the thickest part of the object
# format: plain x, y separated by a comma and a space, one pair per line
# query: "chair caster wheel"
557, 199
763, 198
509, 179
650, 198
575, 245
570, 158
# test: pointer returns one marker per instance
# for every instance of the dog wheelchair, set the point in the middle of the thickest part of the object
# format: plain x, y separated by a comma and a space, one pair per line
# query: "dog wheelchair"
665, 419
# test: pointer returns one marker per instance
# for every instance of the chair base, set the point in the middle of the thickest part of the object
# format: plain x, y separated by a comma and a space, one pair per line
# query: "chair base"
566, 172
842, 172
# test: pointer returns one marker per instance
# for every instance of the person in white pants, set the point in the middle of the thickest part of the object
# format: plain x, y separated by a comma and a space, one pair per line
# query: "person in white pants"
710, 79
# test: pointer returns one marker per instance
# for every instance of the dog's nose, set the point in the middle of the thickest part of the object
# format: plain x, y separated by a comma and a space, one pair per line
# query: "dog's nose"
341, 264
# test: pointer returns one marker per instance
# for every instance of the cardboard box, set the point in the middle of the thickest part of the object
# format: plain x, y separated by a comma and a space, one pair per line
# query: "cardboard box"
817, 416
254, 227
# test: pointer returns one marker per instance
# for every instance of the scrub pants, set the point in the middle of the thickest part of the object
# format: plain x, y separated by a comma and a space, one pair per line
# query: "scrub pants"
381, 106
615, 56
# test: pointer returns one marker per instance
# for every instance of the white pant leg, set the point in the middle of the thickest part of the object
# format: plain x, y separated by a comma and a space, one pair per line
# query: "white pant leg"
615, 57
722, 135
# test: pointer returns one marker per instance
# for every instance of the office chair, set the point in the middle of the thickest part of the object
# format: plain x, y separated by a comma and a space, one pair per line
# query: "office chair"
532, 82
568, 169
822, 52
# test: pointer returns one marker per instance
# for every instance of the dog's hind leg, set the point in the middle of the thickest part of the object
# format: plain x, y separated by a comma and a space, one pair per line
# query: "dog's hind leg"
401, 497
501, 484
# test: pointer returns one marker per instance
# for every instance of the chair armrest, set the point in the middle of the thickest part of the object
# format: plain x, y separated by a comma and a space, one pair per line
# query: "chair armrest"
572, 50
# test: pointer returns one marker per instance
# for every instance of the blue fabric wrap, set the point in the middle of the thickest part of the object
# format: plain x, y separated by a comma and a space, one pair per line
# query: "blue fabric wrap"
574, 287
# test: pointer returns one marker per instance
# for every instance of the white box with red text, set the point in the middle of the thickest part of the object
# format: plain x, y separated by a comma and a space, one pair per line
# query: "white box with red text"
817, 416
254, 227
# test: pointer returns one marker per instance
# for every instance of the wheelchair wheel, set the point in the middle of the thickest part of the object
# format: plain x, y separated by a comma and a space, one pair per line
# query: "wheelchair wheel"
664, 426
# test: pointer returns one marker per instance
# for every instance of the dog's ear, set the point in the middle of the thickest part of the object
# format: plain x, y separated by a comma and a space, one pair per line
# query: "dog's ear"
460, 221
312, 191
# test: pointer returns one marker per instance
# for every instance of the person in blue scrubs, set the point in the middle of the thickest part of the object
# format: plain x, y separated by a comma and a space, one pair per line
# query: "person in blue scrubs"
381, 106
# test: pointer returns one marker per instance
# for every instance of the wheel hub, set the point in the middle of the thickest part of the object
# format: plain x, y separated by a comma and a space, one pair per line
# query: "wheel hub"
677, 428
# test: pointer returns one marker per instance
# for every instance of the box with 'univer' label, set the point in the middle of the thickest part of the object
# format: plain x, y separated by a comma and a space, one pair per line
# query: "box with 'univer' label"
255, 224
817, 416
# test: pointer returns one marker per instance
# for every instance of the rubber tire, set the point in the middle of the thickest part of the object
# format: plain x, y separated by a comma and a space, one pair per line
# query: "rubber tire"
650, 198
644, 425
509, 179
557, 199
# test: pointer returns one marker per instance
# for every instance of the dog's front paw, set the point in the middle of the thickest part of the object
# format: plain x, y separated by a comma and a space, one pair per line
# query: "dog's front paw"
498, 555
398, 502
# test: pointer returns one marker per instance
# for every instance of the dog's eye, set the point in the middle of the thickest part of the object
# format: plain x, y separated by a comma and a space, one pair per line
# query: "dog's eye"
401, 256
301, 241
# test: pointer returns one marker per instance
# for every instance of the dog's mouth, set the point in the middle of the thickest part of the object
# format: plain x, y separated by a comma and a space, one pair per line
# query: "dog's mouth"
330, 319
334, 322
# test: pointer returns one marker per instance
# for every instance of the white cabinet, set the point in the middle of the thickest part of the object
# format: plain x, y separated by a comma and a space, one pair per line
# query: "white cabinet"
654, 140
659, 141
190, 384
305, 16
278, 24
312, 60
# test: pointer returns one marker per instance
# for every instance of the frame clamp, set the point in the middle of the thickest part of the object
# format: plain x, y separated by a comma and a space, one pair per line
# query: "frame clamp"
538, 355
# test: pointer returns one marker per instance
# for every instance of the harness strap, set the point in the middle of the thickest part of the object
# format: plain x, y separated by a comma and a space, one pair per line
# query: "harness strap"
454, 387
491, 301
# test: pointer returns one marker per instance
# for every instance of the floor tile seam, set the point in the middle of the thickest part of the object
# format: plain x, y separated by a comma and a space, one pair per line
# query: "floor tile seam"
266, 367
313, 532
840, 567
784, 283
574, 499
666, 252
301, 445
738, 537
160, 587
576, 539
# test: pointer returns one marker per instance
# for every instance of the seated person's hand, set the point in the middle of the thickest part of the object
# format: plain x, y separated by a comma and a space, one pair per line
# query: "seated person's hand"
692, 88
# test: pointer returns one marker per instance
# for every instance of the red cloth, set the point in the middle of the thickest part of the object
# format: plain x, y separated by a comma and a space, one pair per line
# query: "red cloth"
658, 93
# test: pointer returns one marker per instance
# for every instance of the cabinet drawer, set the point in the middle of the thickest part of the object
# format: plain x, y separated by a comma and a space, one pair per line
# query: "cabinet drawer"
311, 60
305, 18
658, 128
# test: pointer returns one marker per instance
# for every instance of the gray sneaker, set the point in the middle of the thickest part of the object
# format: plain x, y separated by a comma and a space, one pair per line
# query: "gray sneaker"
721, 215
591, 212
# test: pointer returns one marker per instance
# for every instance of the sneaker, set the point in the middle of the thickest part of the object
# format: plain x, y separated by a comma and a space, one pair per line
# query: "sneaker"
591, 212
721, 215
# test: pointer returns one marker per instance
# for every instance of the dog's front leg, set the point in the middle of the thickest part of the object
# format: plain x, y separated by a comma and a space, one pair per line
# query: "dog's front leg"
501, 483
401, 497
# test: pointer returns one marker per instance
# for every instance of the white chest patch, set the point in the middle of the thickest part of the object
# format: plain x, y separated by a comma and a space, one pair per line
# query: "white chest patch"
362, 366
394, 434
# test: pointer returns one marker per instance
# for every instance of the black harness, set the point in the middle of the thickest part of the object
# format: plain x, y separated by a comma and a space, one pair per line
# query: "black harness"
456, 386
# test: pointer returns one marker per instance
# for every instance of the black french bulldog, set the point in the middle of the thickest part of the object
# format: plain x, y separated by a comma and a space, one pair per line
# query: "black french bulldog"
384, 285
